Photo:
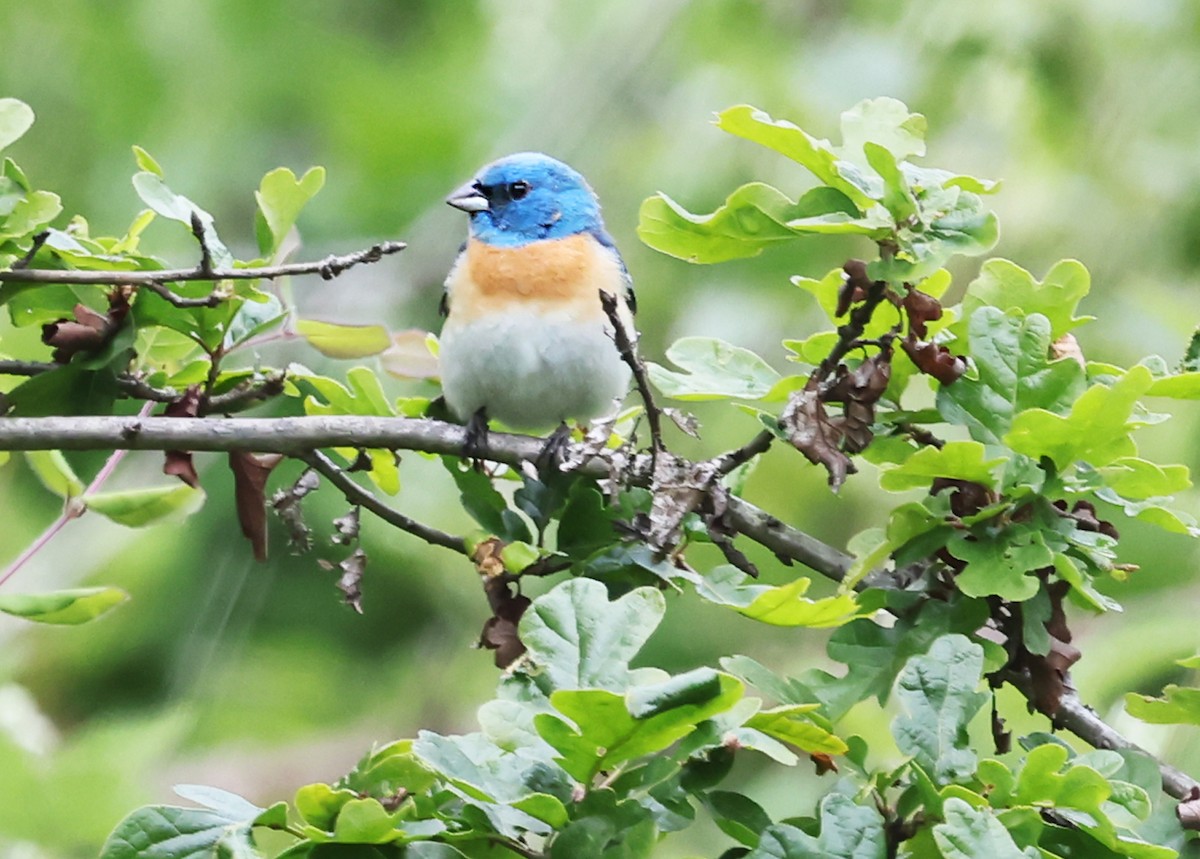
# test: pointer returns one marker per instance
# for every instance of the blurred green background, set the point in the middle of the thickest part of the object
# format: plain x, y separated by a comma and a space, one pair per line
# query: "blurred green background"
254, 677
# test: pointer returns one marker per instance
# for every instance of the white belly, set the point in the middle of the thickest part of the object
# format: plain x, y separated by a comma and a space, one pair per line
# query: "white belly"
531, 371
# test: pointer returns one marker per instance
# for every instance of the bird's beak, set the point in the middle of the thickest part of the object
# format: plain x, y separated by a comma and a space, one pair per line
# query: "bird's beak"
469, 199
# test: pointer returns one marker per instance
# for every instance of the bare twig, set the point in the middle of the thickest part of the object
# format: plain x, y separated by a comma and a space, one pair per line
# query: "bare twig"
244, 395
73, 508
206, 265
358, 495
131, 384
727, 462
211, 300
629, 355
38, 241
26, 368
328, 268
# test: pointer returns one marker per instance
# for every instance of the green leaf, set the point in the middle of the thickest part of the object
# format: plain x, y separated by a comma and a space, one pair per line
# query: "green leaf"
155, 194
714, 370
752, 218
958, 460
1139, 479
793, 724
897, 196
344, 341
971, 833
938, 692
884, 123
783, 605
816, 155
600, 730
145, 161
55, 473
580, 640
222, 801
319, 804
1096, 430
31, 214
1179, 705
998, 563
16, 117
138, 507
365, 821
70, 607
1005, 285
1013, 374
280, 198
737, 815
171, 832
848, 831
1182, 386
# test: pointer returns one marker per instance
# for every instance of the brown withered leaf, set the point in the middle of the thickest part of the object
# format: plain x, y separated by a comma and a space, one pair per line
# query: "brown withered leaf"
854, 288
811, 432
500, 631
1188, 811
178, 463
487, 557
288, 506
859, 390
1001, 735
350, 581
824, 762
1084, 514
1068, 347
1049, 672
89, 330
250, 473
346, 528
921, 309
966, 497
934, 359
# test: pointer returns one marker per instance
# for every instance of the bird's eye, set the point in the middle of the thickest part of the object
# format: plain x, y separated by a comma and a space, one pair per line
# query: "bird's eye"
518, 189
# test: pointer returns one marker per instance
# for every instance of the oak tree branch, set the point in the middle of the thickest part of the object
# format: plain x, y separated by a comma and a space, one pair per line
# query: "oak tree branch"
301, 437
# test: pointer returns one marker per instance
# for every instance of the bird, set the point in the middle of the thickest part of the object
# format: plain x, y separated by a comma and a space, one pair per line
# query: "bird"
526, 340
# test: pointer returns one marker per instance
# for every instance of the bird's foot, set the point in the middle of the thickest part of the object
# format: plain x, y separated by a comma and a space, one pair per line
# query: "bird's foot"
550, 457
475, 440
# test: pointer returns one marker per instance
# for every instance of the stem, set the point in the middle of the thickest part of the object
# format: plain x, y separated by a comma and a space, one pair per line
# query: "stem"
73, 508
328, 268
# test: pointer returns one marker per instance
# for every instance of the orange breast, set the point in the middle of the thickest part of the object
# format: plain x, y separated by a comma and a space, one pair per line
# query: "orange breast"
560, 274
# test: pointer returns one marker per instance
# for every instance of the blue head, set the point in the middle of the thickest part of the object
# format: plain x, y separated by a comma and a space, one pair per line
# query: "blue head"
526, 197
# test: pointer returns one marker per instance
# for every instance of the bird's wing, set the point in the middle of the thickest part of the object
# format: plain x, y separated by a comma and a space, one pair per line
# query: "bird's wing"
606, 240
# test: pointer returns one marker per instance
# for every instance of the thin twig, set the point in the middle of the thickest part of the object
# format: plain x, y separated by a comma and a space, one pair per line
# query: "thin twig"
629, 355
173, 298
356, 494
727, 462
244, 395
206, 265
328, 268
38, 241
26, 368
72, 509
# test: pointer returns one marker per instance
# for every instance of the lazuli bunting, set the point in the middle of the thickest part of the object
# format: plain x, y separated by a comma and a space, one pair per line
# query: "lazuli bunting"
526, 340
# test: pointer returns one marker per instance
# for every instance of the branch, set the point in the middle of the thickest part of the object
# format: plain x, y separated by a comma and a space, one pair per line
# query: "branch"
363, 497
328, 268
1081, 720
629, 355
299, 438
133, 385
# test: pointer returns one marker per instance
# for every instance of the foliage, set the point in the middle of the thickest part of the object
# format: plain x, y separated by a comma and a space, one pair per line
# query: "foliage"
1007, 521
